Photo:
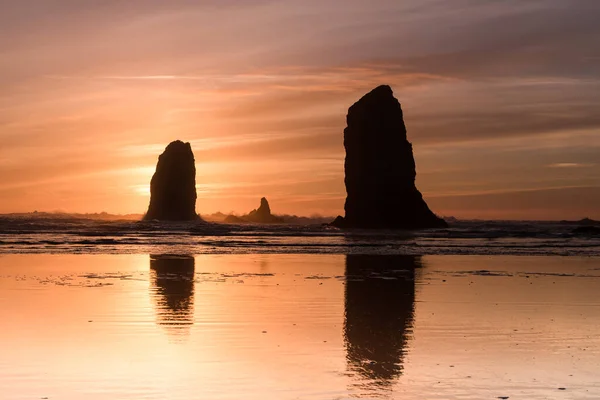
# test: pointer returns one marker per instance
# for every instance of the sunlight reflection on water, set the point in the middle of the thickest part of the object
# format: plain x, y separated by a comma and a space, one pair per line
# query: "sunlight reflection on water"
298, 326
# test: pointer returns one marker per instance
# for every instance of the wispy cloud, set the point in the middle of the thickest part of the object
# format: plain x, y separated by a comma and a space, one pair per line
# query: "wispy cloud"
91, 87
300, 77
570, 165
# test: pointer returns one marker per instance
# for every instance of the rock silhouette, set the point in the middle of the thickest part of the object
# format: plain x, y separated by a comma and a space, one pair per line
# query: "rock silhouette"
173, 185
261, 215
234, 219
380, 168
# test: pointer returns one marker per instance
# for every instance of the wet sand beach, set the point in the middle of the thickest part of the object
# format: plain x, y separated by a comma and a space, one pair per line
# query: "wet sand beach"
299, 326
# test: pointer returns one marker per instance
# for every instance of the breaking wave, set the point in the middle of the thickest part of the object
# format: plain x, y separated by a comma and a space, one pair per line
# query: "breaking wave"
64, 235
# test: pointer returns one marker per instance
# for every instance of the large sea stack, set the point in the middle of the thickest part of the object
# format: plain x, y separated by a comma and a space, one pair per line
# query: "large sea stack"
380, 168
173, 186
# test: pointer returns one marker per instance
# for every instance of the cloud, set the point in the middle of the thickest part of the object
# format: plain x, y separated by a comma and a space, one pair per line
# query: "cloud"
570, 165
544, 203
496, 94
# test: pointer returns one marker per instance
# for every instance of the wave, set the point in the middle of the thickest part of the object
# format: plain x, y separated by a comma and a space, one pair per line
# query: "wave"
79, 235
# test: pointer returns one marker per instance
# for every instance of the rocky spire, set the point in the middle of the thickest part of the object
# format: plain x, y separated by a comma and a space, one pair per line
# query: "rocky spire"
263, 214
263, 211
173, 186
380, 168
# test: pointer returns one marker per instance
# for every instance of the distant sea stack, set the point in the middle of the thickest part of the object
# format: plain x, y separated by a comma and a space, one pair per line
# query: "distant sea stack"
380, 168
261, 215
173, 186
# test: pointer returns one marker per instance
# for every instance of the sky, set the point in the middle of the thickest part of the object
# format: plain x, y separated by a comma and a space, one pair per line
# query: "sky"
501, 100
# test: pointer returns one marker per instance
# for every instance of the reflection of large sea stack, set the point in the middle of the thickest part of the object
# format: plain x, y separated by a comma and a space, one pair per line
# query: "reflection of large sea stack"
379, 303
380, 168
173, 186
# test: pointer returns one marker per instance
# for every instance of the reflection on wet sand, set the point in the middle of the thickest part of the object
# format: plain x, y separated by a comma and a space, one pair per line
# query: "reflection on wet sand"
379, 308
172, 289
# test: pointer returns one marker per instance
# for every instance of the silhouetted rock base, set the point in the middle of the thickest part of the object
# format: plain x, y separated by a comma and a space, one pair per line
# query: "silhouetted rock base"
233, 219
342, 223
339, 222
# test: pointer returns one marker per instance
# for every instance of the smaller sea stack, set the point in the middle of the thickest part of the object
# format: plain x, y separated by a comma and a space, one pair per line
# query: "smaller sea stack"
380, 168
173, 185
261, 215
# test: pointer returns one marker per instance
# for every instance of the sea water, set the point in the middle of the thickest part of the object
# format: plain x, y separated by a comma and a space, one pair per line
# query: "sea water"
83, 236
298, 326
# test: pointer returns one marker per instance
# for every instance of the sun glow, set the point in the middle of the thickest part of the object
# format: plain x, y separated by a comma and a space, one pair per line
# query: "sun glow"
85, 112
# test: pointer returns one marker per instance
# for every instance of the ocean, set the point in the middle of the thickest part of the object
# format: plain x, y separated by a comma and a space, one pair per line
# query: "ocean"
105, 310
73, 235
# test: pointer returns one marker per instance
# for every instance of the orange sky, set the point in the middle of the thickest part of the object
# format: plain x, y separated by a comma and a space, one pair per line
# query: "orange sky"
500, 99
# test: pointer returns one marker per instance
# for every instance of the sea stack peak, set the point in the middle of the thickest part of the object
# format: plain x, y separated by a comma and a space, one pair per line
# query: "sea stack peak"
262, 214
381, 90
264, 210
173, 185
380, 168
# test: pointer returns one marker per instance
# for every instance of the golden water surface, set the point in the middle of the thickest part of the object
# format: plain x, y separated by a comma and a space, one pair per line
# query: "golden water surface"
299, 327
